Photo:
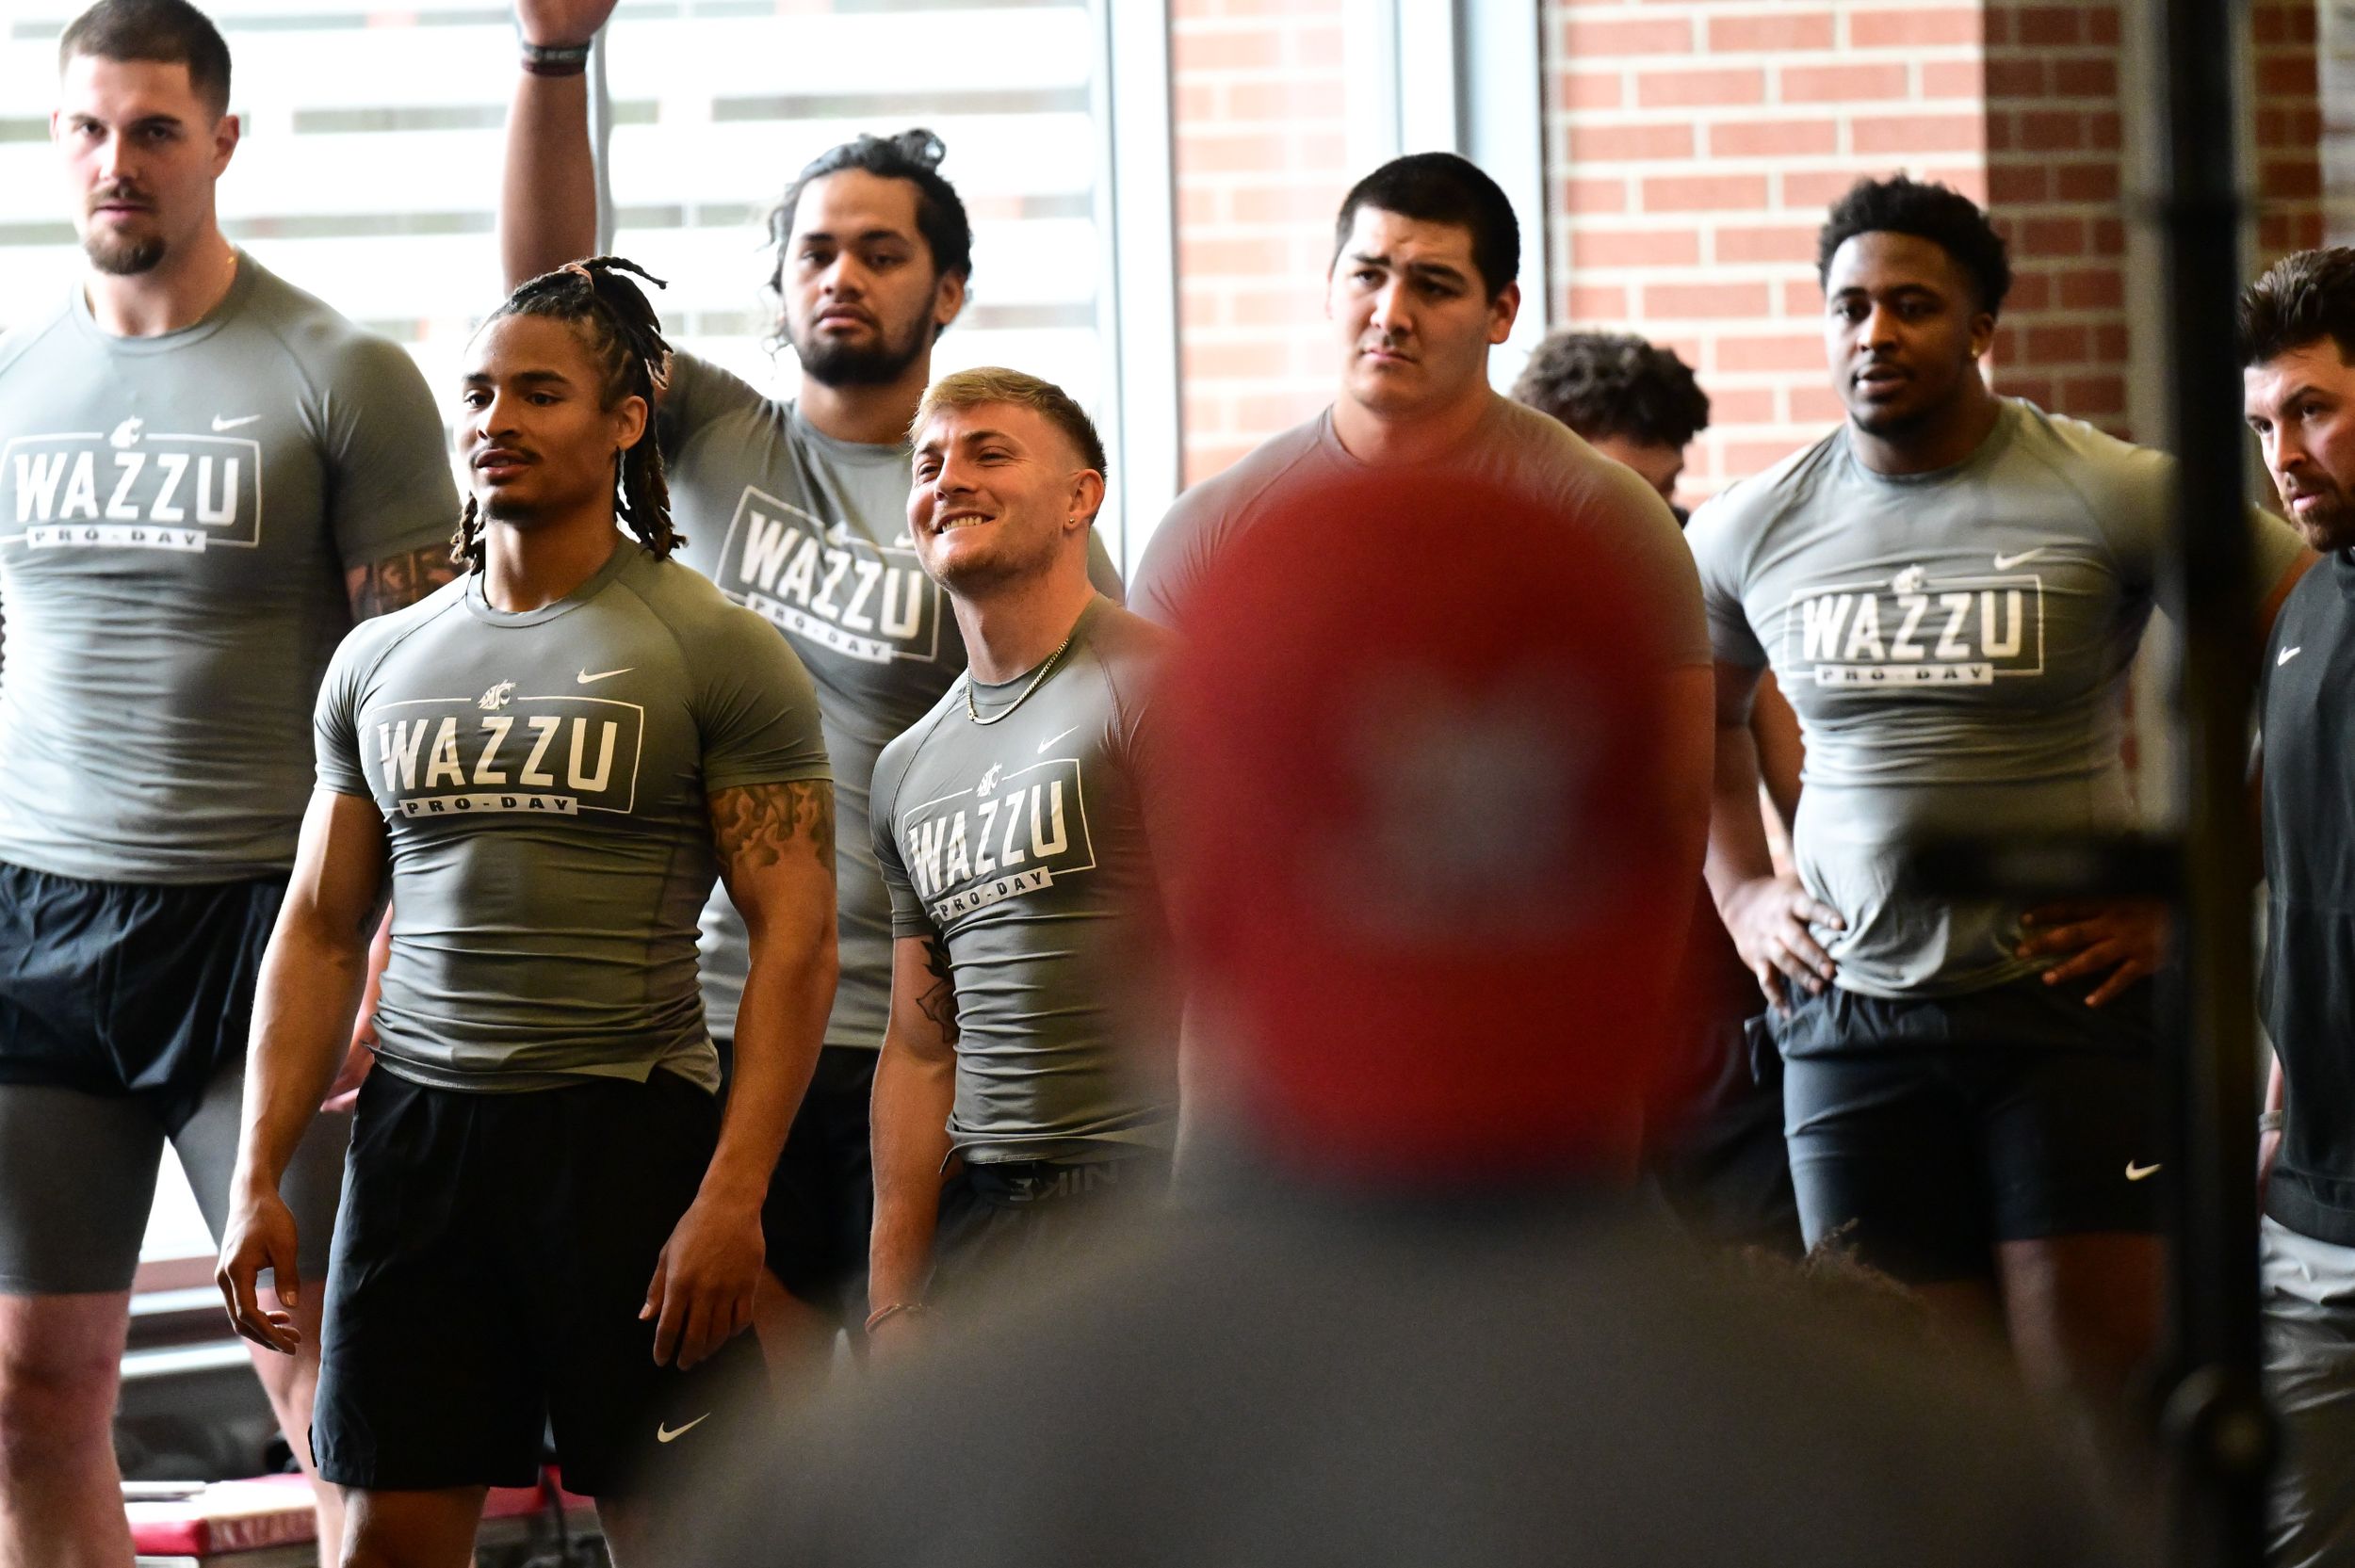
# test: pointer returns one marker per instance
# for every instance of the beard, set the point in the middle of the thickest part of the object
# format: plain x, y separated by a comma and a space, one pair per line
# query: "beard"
2330, 526
1012, 562
123, 258
118, 254
878, 363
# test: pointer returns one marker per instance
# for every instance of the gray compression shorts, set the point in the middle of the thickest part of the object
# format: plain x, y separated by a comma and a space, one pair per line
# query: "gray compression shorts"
77, 1177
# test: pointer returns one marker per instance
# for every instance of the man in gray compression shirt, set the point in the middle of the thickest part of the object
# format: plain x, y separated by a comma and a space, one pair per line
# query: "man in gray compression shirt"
1950, 589
205, 477
1422, 285
542, 767
1012, 826
797, 508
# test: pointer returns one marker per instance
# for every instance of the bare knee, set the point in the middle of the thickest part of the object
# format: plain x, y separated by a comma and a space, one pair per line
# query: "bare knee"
411, 1529
54, 1403
2084, 1310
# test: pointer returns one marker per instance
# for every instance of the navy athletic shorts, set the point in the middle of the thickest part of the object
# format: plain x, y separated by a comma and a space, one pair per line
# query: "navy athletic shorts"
1923, 1132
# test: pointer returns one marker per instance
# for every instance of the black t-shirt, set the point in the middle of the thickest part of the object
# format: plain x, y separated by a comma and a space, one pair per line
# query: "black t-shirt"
2309, 977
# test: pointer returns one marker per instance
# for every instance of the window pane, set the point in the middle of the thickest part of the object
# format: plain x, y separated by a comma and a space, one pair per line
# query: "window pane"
370, 161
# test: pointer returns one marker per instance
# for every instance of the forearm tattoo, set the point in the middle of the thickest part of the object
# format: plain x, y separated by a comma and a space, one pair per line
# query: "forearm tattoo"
757, 826
940, 1000
398, 581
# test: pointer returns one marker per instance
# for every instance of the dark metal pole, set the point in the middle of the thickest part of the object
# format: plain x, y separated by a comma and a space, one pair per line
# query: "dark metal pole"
2213, 1420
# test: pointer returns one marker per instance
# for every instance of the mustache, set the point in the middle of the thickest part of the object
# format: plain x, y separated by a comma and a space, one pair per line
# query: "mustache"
117, 190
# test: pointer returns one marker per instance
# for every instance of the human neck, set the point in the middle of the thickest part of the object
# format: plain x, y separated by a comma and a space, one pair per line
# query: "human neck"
529, 568
1013, 627
1374, 438
871, 415
176, 292
1941, 444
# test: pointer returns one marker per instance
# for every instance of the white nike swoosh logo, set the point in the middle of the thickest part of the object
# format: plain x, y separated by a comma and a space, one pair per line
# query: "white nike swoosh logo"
584, 677
2136, 1172
219, 423
2005, 563
1051, 740
2287, 655
671, 1435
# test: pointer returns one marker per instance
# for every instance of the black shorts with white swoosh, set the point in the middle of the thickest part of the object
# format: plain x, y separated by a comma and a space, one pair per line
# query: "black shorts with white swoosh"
1925, 1132
490, 1261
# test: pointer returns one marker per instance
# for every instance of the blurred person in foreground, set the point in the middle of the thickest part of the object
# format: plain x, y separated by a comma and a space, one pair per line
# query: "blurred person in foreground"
1012, 826
1420, 855
1716, 1148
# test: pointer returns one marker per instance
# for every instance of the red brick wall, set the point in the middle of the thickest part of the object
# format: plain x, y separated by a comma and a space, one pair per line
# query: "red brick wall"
1692, 146
2056, 170
1257, 96
2288, 130
1695, 146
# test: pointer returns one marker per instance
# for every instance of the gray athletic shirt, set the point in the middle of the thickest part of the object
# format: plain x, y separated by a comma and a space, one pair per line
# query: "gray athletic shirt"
176, 517
1514, 448
1956, 646
543, 777
811, 533
1023, 846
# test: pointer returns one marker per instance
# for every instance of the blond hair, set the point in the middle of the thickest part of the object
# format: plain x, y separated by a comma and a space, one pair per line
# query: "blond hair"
990, 383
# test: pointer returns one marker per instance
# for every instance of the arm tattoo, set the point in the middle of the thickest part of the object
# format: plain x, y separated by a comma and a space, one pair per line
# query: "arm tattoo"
398, 581
939, 1001
755, 825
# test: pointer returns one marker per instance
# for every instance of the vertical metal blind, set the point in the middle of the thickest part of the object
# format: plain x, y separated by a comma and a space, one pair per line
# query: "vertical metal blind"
368, 172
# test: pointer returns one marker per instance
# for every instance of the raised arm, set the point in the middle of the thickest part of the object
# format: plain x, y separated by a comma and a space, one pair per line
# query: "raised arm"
312, 974
548, 189
776, 857
916, 1089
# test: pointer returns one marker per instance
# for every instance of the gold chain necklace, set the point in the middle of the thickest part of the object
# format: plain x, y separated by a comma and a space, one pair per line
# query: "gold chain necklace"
975, 714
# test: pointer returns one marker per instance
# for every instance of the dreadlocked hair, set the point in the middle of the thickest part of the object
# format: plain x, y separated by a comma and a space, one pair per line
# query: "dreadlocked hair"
613, 317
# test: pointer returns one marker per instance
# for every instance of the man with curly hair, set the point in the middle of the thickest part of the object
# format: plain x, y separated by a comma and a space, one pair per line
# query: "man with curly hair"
1951, 588
1636, 403
797, 508
1716, 1146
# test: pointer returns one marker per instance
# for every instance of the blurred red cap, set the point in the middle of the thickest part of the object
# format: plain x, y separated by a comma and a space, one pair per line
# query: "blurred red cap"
1423, 868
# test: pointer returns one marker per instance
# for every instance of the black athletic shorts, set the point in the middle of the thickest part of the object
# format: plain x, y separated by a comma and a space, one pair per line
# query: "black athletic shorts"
129, 989
1719, 1156
820, 1207
1012, 1223
1924, 1132
490, 1261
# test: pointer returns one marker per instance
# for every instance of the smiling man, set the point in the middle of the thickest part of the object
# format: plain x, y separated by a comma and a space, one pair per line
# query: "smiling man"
796, 508
1950, 587
209, 477
2297, 334
1024, 1056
